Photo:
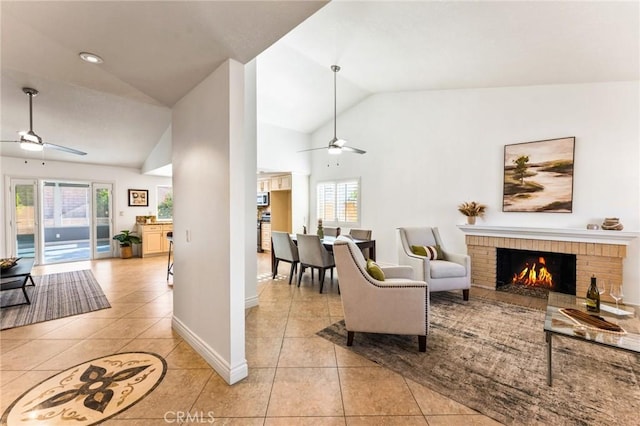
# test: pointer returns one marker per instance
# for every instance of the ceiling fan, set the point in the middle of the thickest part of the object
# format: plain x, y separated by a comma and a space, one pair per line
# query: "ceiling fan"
336, 146
29, 140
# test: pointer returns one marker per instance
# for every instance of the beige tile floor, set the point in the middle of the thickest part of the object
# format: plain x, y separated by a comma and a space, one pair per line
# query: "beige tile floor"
295, 377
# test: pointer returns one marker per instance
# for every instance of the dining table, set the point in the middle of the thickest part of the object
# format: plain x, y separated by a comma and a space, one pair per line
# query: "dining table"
327, 242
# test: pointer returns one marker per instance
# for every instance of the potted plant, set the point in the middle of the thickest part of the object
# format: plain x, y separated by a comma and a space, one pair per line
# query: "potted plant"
472, 210
125, 238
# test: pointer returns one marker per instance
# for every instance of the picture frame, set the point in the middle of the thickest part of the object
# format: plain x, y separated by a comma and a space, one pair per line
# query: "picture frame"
138, 198
538, 176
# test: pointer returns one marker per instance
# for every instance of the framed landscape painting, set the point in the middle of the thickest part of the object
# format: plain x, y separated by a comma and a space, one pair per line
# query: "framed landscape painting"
538, 176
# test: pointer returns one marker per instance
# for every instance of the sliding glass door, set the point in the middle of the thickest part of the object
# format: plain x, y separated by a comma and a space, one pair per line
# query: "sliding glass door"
102, 220
66, 211
24, 217
60, 221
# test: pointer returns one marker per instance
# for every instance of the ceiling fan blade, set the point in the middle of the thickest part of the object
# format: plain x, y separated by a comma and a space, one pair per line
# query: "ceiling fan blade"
354, 150
64, 148
312, 149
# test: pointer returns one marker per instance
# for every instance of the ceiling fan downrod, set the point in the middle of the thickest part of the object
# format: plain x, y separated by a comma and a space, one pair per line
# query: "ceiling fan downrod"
335, 69
31, 93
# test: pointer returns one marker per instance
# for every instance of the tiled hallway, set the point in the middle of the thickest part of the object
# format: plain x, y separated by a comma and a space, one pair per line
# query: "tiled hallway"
295, 377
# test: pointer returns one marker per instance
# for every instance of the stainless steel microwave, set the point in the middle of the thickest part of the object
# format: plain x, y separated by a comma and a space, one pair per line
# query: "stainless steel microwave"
263, 199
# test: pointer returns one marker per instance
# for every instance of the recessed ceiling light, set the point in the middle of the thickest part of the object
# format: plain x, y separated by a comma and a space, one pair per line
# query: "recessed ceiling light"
91, 58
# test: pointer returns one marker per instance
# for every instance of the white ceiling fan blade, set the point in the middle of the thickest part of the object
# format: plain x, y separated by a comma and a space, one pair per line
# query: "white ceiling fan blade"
354, 150
312, 149
64, 148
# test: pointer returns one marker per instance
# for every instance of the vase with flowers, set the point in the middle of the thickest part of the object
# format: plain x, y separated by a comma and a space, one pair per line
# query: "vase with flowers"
472, 210
320, 230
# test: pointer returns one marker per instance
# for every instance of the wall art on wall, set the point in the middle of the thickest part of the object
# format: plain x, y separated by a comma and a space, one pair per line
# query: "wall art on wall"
538, 176
139, 197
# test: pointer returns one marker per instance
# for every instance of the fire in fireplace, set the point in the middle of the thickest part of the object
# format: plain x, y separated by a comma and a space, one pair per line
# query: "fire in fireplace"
535, 273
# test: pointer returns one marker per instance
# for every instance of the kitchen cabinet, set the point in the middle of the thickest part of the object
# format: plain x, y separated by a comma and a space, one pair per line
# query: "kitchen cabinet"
281, 183
265, 236
154, 238
264, 185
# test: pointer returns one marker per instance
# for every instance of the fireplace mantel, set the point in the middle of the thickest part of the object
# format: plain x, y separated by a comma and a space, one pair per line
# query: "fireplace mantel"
553, 234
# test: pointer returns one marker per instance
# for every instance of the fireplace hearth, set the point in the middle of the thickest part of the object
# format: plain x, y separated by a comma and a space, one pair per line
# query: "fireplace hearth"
535, 273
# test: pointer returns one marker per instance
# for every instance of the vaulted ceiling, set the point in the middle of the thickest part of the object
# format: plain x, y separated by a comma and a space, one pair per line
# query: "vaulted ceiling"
155, 52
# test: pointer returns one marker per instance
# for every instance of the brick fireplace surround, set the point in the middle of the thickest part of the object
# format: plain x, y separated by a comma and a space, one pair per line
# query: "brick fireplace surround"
598, 252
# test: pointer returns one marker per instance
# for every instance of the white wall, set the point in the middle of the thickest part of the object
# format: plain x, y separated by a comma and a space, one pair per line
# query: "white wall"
299, 202
250, 153
429, 151
160, 156
121, 177
278, 150
209, 166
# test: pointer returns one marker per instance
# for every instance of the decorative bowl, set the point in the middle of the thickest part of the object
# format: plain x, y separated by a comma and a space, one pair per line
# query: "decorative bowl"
8, 263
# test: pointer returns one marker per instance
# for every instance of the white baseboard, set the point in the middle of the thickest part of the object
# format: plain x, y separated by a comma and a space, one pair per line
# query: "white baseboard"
250, 302
218, 363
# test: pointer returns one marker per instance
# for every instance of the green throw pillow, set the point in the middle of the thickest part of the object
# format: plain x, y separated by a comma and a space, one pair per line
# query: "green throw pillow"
374, 270
431, 252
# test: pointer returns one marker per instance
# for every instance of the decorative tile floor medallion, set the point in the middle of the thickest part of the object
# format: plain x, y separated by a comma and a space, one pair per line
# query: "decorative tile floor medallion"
90, 392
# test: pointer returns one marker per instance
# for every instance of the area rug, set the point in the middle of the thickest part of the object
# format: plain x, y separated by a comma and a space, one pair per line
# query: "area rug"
54, 296
491, 356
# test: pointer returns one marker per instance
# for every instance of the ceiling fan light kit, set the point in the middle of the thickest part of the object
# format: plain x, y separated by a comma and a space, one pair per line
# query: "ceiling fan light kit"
334, 150
31, 146
336, 146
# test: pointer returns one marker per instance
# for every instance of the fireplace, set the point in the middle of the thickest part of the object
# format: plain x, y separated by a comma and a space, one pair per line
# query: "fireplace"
599, 253
535, 273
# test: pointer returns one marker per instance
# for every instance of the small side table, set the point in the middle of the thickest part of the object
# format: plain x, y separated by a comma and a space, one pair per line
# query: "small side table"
17, 278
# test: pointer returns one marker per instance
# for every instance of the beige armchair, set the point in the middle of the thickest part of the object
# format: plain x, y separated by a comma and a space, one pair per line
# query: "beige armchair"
451, 273
397, 305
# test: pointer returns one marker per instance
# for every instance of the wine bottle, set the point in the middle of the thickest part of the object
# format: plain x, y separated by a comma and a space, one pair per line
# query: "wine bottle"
593, 297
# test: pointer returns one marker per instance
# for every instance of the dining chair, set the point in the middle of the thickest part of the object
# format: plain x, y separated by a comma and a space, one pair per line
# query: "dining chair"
284, 249
361, 234
313, 255
331, 232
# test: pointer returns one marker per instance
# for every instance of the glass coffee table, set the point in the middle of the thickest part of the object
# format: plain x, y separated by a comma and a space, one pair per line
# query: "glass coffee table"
557, 323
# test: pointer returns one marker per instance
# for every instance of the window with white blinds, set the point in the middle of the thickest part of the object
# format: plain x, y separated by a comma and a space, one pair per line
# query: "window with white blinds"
339, 202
